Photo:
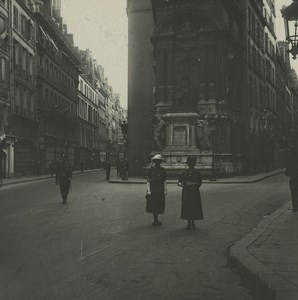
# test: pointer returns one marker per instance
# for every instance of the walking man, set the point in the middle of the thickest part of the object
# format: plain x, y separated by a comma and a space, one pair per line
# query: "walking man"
63, 177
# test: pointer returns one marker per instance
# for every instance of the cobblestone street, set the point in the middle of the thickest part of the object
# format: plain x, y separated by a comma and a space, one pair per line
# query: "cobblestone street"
101, 245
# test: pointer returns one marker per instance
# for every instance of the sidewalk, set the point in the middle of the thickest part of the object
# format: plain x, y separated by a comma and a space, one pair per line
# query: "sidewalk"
268, 255
9, 181
236, 179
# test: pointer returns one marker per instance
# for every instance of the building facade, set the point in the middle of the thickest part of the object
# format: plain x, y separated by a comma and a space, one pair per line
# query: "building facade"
23, 120
212, 88
57, 83
6, 143
44, 112
87, 155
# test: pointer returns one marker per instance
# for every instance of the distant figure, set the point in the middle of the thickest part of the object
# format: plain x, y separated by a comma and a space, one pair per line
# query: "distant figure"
124, 169
63, 177
156, 189
292, 172
190, 181
118, 168
107, 168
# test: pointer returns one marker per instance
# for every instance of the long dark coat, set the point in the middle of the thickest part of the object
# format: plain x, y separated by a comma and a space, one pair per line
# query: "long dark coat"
63, 178
292, 172
156, 202
191, 206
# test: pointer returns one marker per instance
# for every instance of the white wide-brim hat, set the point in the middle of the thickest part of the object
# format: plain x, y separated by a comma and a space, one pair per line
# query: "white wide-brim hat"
157, 157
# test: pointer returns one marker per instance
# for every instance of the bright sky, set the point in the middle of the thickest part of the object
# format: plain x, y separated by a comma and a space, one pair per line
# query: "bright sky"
101, 26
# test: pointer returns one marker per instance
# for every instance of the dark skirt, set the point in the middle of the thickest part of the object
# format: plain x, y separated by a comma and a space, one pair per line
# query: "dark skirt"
191, 206
155, 203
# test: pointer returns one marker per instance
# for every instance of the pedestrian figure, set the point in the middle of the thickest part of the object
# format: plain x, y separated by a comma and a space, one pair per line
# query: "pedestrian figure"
118, 167
124, 169
63, 177
190, 181
108, 169
292, 172
156, 189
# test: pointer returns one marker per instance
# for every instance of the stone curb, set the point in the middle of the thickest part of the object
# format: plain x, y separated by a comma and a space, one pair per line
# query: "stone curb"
24, 180
258, 274
239, 181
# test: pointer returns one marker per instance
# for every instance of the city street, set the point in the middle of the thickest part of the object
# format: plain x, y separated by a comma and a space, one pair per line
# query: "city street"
101, 245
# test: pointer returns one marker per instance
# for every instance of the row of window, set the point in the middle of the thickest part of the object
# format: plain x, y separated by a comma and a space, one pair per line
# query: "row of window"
24, 101
87, 112
23, 59
255, 28
88, 91
23, 24
260, 95
260, 65
55, 53
56, 74
256, 31
88, 137
57, 101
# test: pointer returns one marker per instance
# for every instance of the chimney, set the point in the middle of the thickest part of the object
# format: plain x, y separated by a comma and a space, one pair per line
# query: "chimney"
69, 38
65, 29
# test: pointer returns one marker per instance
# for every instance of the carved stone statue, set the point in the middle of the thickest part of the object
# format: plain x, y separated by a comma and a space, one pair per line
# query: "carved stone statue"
159, 132
183, 93
204, 136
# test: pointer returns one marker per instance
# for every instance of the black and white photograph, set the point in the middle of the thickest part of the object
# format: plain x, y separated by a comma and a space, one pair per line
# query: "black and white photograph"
148, 149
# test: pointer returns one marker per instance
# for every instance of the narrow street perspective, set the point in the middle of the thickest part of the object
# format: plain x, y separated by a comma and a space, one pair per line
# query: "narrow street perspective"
148, 149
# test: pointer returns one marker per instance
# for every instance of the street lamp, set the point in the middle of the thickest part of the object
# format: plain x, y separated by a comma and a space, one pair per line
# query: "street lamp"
124, 129
290, 15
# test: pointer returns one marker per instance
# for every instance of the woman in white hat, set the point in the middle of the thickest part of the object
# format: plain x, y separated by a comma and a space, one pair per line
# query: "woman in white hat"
156, 189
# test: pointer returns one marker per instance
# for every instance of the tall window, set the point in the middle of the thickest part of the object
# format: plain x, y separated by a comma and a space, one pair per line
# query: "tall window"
2, 24
3, 70
15, 18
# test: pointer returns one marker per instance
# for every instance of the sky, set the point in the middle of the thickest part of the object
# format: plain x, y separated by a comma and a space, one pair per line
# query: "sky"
101, 26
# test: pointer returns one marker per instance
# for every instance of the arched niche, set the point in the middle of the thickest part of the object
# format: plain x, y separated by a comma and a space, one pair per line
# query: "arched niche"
184, 55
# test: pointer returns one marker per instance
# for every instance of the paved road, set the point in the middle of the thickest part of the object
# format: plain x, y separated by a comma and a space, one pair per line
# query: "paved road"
101, 245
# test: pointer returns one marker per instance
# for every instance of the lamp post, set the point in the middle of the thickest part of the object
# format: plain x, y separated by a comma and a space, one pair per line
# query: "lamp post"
290, 16
124, 129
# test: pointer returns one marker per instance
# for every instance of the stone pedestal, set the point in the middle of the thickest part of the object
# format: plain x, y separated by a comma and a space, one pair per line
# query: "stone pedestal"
183, 138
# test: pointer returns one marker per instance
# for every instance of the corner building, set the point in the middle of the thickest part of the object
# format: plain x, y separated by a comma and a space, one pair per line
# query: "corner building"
194, 66
202, 82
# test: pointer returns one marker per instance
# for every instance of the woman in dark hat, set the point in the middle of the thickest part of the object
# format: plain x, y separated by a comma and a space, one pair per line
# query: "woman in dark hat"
156, 189
190, 181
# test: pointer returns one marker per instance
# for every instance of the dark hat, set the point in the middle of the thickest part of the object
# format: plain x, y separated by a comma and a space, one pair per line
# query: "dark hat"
191, 159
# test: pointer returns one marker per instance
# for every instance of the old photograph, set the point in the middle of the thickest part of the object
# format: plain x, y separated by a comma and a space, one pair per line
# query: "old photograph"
148, 149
